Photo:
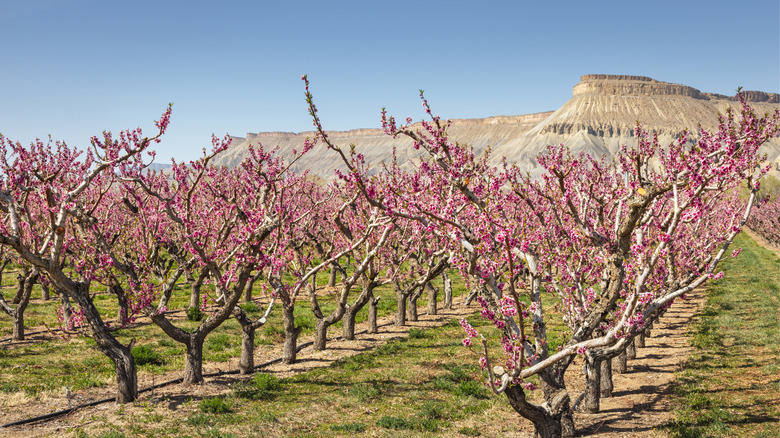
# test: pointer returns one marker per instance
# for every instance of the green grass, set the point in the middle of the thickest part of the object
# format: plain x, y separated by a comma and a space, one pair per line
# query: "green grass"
429, 380
731, 384
47, 369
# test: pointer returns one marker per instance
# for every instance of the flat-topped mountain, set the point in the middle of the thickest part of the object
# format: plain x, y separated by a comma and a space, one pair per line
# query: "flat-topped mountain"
599, 118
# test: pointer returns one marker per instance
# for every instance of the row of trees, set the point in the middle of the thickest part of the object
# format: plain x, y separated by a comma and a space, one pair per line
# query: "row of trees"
613, 240
99, 219
765, 220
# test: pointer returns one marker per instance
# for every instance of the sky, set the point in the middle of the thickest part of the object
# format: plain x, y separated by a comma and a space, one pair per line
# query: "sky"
74, 68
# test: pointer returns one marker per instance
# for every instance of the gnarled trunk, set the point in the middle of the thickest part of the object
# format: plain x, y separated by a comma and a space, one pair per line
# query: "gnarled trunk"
548, 418
45, 292
447, 290
332, 276
400, 309
433, 294
620, 363
124, 307
124, 364
291, 333
22, 299
373, 306
606, 378
411, 308
67, 311
246, 364
639, 340
193, 366
195, 285
631, 351
590, 402
321, 334
350, 313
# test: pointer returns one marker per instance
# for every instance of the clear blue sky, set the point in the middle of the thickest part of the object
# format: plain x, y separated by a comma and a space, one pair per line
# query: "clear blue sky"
71, 69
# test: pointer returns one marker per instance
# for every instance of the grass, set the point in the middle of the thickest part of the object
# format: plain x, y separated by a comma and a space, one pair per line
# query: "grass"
397, 379
418, 387
47, 369
731, 384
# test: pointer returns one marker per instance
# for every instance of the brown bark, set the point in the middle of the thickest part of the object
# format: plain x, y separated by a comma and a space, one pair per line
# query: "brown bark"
350, 313
246, 364
640, 340
291, 333
447, 290
195, 285
373, 306
433, 294
606, 378
45, 292
124, 364
411, 308
591, 400
332, 276
400, 309
23, 294
547, 419
619, 363
631, 351
193, 366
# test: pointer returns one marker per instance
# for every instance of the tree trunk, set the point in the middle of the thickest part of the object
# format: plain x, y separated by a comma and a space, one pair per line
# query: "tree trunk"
291, 333
21, 280
639, 340
18, 334
433, 294
195, 285
373, 305
400, 310
344, 274
248, 290
631, 351
350, 313
124, 307
67, 312
547, 423
321, 334
332, 277
619, 364
447, 291
606, 378
348, 329
24, 300
246, 364
193, 368
411, 309
45, 293
124, 364
591, 401
126, 375
468, 298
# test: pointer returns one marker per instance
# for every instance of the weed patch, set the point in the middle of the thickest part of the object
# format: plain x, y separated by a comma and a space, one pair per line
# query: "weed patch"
145, 355
216, 405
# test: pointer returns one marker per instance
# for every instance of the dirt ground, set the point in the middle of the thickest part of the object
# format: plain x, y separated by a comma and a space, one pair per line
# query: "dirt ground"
639, 406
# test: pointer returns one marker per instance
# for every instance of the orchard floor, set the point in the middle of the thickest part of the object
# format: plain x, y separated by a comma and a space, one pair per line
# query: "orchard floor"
639, 407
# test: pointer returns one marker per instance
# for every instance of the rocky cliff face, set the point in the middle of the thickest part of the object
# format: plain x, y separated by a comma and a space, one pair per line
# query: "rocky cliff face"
598, 119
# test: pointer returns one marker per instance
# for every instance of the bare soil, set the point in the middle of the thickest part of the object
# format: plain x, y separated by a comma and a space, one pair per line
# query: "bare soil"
640, 404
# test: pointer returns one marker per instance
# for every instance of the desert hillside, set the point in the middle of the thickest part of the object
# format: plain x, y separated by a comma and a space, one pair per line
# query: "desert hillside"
600, 116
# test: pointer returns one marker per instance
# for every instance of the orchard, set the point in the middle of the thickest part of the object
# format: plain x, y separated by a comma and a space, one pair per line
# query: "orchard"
575, 265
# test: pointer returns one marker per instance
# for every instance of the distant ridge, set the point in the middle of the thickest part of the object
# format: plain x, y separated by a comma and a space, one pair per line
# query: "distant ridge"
598, 119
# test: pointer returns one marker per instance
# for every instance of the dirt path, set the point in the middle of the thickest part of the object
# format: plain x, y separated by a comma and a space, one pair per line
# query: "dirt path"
641, 402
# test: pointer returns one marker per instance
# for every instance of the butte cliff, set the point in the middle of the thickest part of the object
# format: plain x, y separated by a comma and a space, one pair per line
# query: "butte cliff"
598, 119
